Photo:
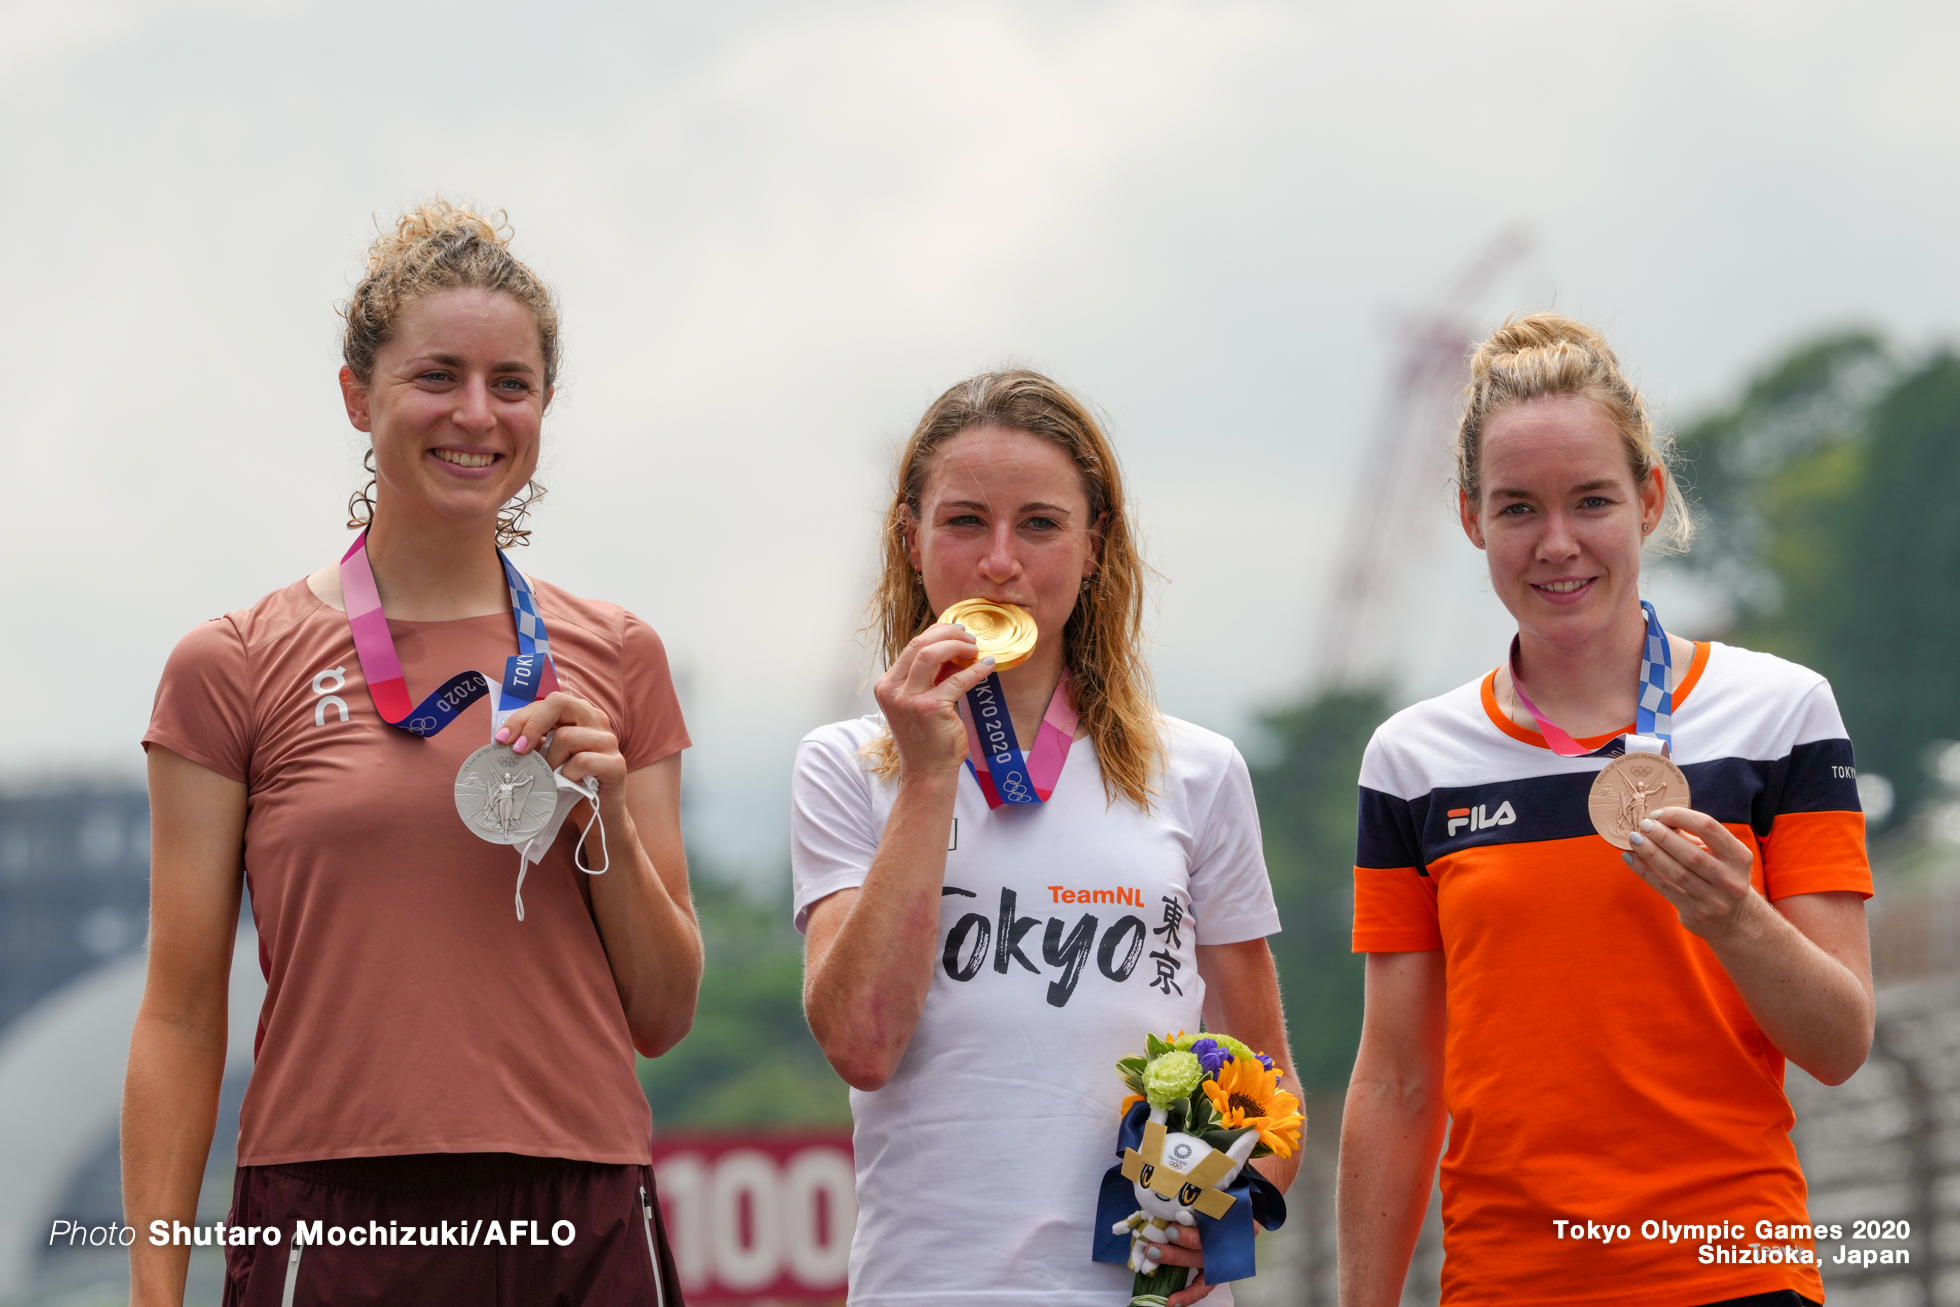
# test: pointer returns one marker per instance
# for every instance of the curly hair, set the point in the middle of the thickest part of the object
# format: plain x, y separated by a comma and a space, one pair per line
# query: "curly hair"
434, 247
1107, 676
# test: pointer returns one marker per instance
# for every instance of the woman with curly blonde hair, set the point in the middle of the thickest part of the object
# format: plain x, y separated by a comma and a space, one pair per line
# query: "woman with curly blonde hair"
443, 1106
992, 928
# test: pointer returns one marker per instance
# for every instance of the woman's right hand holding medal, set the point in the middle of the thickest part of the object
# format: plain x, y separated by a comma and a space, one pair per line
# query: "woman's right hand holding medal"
920, 693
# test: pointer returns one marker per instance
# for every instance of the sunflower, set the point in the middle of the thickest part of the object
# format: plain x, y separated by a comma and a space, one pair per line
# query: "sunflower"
1247, 1094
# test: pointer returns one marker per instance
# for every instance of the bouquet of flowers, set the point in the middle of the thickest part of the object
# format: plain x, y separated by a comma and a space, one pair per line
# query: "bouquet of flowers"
1200, 1107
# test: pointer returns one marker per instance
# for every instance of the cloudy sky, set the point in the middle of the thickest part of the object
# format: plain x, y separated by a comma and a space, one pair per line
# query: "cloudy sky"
780, 230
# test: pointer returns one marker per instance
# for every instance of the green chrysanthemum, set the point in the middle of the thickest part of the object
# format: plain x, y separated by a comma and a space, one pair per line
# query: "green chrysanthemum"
1171, 1078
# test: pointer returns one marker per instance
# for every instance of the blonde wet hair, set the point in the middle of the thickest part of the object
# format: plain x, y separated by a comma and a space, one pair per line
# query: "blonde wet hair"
435, 247
1108, 679
1540, 355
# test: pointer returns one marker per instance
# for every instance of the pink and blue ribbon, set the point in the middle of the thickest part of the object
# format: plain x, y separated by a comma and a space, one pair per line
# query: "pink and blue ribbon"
1653, 714
994, 755
529, 674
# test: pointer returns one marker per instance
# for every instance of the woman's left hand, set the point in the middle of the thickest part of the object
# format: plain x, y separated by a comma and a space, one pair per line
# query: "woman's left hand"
582, 742
1184, 1249
1802, 964
1698, 865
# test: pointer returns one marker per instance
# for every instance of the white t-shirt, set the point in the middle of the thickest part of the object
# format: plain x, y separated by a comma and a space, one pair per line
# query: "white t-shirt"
1067, 930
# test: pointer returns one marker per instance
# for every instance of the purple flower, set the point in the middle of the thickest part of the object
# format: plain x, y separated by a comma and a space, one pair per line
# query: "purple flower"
1213, 1054
1265, 1061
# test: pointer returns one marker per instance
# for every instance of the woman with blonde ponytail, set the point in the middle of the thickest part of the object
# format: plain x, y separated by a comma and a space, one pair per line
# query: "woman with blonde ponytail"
1604, 892
470, 915
991, 929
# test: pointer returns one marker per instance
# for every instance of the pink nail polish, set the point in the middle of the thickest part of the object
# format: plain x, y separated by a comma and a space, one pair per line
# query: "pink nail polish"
503, 735
521, 745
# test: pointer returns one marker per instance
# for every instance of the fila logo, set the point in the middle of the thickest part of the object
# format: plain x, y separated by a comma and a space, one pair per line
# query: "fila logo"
1477, 819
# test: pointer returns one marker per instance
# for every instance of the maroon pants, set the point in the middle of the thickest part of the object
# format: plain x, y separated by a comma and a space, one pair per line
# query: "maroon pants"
469, 1229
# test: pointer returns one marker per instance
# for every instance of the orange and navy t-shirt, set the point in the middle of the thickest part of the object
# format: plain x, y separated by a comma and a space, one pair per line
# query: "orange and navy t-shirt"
1600, 1067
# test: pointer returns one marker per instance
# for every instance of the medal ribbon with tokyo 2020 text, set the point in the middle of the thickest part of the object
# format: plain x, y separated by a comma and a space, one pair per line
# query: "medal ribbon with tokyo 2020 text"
529, 674
994, 754
1653, 715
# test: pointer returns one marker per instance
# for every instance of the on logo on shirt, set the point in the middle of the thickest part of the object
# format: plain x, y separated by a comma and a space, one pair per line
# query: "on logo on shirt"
337, 675
1478, 819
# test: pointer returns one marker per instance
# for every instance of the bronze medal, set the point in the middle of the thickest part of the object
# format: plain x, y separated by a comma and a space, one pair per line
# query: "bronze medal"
1628, 790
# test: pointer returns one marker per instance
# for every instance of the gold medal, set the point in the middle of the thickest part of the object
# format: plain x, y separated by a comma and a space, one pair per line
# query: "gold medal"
1004, 631
1628, 790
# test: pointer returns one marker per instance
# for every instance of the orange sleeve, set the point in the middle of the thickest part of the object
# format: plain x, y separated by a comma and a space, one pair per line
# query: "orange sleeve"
1395, 911
1814, 853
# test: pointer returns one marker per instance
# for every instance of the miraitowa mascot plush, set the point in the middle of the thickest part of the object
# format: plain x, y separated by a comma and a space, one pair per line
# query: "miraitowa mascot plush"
1170, 1178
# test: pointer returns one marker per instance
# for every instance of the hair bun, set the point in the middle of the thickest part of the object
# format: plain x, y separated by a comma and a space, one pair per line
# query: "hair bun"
1551, 333
436, 222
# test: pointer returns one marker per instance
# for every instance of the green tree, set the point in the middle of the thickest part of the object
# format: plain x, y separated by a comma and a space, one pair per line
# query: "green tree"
1888, 613
1308, 805
1829, 494
1767, 470
750, 1058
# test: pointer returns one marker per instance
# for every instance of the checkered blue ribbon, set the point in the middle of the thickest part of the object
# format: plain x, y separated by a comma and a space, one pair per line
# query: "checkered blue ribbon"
1654, 717
530, 673
1653, 712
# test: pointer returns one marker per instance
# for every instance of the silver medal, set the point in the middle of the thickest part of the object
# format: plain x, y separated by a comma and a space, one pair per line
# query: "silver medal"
505, 797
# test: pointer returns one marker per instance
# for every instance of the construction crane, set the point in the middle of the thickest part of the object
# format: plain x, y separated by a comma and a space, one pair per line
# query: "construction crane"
1408, 466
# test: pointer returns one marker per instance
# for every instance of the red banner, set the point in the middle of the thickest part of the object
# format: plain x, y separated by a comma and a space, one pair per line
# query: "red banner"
758, 1217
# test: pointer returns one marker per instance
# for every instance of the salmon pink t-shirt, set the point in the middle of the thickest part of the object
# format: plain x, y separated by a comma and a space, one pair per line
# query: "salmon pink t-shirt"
407, 1009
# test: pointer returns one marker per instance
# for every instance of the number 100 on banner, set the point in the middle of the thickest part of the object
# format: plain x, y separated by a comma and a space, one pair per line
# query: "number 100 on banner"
758, 1217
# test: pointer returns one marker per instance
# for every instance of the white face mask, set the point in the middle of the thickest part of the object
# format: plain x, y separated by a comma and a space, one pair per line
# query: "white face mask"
534, 849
